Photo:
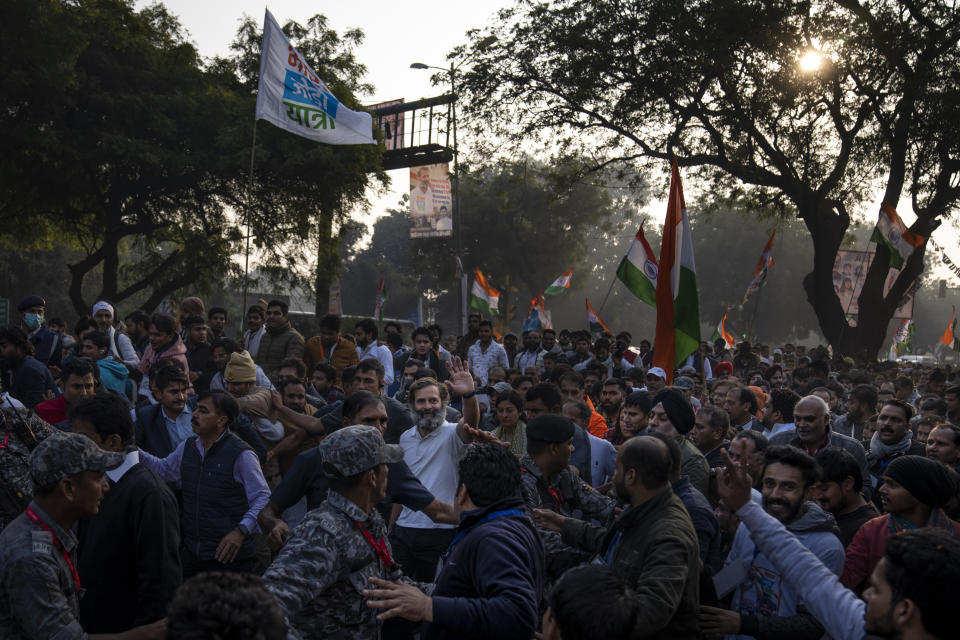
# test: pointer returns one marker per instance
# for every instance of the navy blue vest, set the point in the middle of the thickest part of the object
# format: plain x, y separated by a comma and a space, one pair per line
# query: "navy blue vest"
213, 502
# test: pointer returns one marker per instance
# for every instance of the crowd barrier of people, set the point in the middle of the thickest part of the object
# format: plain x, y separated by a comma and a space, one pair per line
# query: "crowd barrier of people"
161, 477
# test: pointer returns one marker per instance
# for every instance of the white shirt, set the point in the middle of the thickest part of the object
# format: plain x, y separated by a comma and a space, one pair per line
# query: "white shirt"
383, 355
780, 427
433, 458
132, 458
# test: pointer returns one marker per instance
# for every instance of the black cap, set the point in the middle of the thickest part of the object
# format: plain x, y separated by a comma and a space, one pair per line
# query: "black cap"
677, 409
31, 301
549, 427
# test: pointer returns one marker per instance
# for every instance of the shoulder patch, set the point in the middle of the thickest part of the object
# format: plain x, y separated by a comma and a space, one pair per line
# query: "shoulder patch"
42, 542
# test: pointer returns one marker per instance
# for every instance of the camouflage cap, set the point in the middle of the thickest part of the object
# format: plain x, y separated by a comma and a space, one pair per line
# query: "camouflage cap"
353, 450
66, 455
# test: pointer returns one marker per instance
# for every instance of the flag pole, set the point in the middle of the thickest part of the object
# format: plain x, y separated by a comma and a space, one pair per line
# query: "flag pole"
246, 253
604, 303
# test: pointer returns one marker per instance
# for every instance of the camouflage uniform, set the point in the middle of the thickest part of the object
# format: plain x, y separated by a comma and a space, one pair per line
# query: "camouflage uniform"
39, 589
20, 433
570, 496
321, 572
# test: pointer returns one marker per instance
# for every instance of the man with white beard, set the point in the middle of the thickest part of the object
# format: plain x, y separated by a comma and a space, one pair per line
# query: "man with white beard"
432, 450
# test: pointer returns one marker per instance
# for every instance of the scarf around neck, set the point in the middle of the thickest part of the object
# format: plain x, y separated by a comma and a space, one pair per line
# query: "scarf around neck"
881, 451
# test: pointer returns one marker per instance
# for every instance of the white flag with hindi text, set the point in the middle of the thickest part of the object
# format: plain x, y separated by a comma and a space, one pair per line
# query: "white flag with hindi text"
293, 97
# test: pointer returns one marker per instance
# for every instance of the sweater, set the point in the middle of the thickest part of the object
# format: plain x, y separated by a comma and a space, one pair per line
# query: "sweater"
175, 350
344, 355
491, 580
129, 558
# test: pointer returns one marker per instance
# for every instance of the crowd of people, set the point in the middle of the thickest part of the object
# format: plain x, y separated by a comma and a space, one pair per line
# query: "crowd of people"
163, 477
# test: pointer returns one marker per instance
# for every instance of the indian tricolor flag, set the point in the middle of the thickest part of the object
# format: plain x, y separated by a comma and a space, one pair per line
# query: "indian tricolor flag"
894, 234
950, 337
483, 297
559, 285
764, 262
722, 332
638, 269
678, 303
596, 324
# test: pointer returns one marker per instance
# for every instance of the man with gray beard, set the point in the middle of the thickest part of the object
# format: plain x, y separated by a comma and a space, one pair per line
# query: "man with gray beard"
432, 450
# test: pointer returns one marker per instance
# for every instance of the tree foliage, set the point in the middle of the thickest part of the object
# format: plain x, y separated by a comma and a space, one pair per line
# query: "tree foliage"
718, 84
120, 141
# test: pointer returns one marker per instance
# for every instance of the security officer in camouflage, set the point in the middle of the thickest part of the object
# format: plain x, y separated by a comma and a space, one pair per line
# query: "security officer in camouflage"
549, 483
21, 431
321, 572
40, 589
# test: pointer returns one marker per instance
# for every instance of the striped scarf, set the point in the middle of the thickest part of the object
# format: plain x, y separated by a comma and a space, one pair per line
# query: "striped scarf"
518, 446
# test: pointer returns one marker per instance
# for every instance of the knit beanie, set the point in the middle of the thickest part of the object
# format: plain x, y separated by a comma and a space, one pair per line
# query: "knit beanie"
191, 306
927, 480
240, 368
677, 409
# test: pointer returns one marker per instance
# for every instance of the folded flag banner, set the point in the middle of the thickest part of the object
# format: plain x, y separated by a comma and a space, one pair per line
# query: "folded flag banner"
381, 298
596, 324
559, 285
949, 336
902, 337
537, 316
764, 262
891, 232
293, 97
638, 269
678, 303
483, 297
721, 332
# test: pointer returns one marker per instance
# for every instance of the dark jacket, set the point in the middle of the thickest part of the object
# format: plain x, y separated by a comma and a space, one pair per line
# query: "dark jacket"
704, 523
657, 555
47, 346
432, 361
491, 581
840, 441
152, 435
277, 345
129, 560
29, 382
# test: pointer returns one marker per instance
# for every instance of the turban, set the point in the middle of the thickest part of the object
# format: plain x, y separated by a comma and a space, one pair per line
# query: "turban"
677, 409
723, 369
103, 305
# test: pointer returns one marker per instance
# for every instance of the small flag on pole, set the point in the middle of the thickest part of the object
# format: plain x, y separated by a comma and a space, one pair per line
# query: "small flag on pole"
293, 97
949, 336
764, 262
596, 324
537, 316
638, 269
902, 337
678, 303
899, 240
721, 332
381, 298
559, 285
483, 297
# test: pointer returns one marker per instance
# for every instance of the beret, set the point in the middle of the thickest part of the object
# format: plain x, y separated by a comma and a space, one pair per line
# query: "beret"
549, 427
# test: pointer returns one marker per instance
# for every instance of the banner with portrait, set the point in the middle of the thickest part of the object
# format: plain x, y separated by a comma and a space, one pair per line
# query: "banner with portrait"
849, 272
431, 201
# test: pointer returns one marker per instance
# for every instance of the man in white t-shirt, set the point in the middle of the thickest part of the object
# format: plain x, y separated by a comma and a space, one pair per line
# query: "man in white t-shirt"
432, 449
421, 196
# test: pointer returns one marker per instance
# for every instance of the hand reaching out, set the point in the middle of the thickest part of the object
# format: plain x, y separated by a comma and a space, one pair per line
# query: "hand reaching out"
461, 380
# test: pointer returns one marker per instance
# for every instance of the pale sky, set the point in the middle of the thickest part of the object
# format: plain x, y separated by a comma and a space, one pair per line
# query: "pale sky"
397, 34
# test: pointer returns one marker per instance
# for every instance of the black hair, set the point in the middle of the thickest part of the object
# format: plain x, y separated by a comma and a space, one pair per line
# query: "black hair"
583, 409
99, 339
546, 393
512, 397
551, 356
330, 322
784, 401
295, 363
675, 454
437, 328
421, 331
372, 364
607, 609
223, 403
15, 336
229, 345
837, 464
368, 326
139, 316
327, 370
215, 310
719, 418
192, 321
283, 306
652, 463
393, 324
572, 376
546, 331
357, 402
601, 343
792, 457
923, 565
953, 429
760, 441
865, 394
289, 382
257, 309
521, 379
490, 473
166, 376
639, 399
347, 375
748, 397
395, 340
903, 406
164, 323
486, 323
108, 414
937, 405
78, 367
245, 609
620, 382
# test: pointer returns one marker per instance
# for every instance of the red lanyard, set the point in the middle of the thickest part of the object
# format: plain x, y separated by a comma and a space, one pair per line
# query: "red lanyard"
56, 542
379, 546
553, 493
6, 441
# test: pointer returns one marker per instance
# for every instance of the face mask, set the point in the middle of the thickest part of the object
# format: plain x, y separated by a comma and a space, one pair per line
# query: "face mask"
33, 320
